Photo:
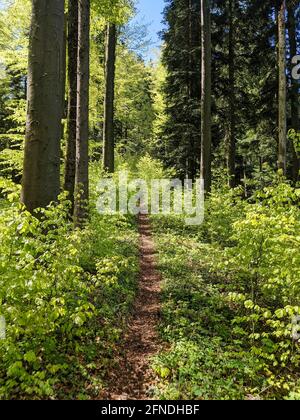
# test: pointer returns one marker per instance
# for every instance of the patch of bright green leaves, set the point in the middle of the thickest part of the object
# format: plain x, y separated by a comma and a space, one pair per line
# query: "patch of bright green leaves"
231, 291
64, 294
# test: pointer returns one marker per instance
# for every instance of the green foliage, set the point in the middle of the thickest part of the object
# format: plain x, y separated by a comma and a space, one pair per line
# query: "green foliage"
64, 295
134, 107
133, 102
9, 192
159, 105
117, 11
14, 21
295, 138
231, 287
14, 35
11, 163
149, 169
230, 303
223, 208
266, 261
11, 156
202, 371
203, 361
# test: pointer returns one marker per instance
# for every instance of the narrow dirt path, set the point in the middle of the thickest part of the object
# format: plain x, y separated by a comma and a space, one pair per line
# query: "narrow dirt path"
132, 377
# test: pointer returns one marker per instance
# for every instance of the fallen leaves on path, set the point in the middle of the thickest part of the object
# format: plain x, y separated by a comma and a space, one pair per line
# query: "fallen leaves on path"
132, 378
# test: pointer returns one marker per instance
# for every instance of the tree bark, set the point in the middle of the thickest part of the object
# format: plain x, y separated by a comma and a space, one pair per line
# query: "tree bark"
282, 105
70, 161
82, 126
205, 170
231, 146
108, 129
63, 72
41, 171
295, 123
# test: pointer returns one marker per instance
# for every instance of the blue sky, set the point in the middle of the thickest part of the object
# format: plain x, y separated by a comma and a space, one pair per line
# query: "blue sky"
150, 11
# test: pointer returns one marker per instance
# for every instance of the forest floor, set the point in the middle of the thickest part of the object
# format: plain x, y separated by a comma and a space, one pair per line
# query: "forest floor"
132, 377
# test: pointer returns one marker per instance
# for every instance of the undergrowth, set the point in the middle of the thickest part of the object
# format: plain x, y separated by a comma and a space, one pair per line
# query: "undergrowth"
230, 295
65, 295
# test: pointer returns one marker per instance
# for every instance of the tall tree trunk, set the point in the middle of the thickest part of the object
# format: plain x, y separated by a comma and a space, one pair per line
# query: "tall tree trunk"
64, 71
231, 146
294, 88
41, 172
82, 126
282, 122
205, 169
108, 129
191, 167
70, 161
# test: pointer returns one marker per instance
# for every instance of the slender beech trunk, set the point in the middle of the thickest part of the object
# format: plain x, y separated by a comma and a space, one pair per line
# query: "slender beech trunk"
231, 146
82, 126
70, 161
282, 104
205, 169
294, 88
41, 172
108, 129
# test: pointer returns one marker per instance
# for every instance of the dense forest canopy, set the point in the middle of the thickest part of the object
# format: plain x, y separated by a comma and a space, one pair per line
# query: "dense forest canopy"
213, 309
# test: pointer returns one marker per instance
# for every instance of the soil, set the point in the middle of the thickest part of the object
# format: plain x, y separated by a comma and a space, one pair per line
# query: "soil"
132, 378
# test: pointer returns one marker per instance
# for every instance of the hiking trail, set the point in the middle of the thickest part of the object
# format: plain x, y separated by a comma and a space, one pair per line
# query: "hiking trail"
132, 377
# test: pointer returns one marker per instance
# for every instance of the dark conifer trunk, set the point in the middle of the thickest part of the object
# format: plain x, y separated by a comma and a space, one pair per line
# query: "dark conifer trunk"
205, 169
231, 146
295, 123
282, 102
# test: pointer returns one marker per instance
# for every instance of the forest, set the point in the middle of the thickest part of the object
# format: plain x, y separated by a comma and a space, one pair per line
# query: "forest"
102, 295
